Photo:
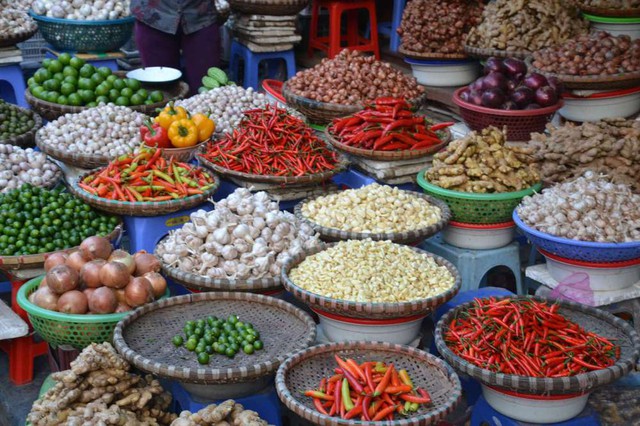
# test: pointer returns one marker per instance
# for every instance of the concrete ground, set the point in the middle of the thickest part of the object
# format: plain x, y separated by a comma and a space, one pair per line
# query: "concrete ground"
15, 401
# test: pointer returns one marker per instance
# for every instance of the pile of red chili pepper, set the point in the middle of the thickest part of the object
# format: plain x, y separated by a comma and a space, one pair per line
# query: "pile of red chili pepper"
387, 125
371, 391
269, 141
528, 338
147, 176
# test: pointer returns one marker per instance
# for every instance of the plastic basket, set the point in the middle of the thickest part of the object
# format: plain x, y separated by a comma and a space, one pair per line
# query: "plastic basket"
520, 123
85, 36
469, 207
587, 251
75, 330
33, 49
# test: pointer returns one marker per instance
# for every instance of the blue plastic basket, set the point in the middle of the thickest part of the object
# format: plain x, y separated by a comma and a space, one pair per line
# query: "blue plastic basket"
85, 36
579, 250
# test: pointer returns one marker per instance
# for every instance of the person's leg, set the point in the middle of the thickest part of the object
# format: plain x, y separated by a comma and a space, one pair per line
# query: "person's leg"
157, 48
201, 50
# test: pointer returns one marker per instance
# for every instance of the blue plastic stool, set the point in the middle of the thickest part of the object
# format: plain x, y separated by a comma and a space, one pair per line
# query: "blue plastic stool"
110, 63
484, 415
12, 85
390, 28
252, 62
474, 264
265, 403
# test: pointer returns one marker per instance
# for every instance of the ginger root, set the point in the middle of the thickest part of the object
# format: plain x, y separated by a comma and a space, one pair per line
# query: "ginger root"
228, 413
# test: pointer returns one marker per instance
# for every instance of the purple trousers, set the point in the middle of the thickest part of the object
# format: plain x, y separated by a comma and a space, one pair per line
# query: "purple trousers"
200, 51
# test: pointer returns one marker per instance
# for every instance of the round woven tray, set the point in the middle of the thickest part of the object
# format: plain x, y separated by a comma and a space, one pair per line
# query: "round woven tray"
610, 82
304, 370
333, 234
368, 310
608, 11
144, 337
76, 159
407, 154
592, 319
18, 38
421, 55
281, 180
143, 208
26, 140
51, 111
35, 261
484, 53
268, 7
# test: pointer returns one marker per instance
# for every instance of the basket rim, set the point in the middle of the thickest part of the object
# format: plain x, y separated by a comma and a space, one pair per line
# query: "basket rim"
372, 309
205, 374
501, 112
485, 52
586, 79
483, 226
31, 133
615, 19
81, 22
42, 313
582, 263
608, 11
431, 55
588, 244
274, 88
546, 384
75, 159
497, 196
431, 417
312, 103
20, 37
411, 235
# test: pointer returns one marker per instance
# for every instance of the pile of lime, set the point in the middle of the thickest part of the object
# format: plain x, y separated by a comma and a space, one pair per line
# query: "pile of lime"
68, 80
37, 220
213, 335
14, 121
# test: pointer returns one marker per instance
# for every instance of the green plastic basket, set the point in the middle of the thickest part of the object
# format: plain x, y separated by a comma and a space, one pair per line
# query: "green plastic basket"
85, 36
75, 330
467, 207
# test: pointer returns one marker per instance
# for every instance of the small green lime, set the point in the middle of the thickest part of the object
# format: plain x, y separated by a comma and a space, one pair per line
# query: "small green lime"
104, 71
119, 84
46, 62
70, 71
52, 96
203, 358
37, 91
87, 70
86, 84
177, 340
114, 94
64, 58
87, 96
52, 84
145, 94
101, 90
258, 344
55, 66
92, 104
112, 78
156, 96
232, 319
126, 92
149, 102
137, 99
75, 99
248, 349
67, 89
76, 62
31, 82
191, 345
42, 75
97, 78
62, 100
133, 84
230, 352
102, 99
71, 79
122, 101
58, 76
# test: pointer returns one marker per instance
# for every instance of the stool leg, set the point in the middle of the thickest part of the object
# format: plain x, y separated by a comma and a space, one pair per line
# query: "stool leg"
290, 60
398, 9
233, 61
335, 15
374, 30
313, 31
352, 28
251, 70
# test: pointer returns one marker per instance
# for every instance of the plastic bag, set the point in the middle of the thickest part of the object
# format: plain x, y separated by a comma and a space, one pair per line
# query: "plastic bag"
575, 287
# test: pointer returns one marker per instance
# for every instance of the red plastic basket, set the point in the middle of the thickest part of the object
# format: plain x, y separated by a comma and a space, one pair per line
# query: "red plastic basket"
520, 123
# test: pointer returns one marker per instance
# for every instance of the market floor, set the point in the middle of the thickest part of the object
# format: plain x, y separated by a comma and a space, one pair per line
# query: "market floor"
16, 401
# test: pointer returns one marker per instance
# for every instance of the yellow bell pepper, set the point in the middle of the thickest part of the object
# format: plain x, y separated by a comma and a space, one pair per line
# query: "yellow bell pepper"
205, 126
170, 114
183, 133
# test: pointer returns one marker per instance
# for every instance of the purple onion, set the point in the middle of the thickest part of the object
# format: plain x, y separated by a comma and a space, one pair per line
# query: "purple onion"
546, 96
534, 81
475, 98
476, 86
494, 65
494, 80
523, 96
556, 84
493, 98
514, 67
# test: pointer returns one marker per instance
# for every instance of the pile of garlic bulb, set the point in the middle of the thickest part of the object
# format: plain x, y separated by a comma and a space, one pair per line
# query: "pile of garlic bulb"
245, 237
83, 10
21, 166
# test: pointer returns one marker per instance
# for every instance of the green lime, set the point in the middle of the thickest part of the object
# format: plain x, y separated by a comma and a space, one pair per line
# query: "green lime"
58, 76
87, 70
191, 345
156, 96
149, 102
119, 84
203, 358
86, 84
46, 62
258, 344
97, 78
113, 95
52, 84
67, 89
37, 91
42, 75
230, 352
104, 71
177, 340
102, 99
52, 96
31, 82
55, 66
144, 93
90, 105
133, 84
232, 319
87, 96
71, 79
70, 71
248, 349
76, 62
126, 92
75, 99
122, 101
102, 90
62, 100
64, 58
137, 99
112, 78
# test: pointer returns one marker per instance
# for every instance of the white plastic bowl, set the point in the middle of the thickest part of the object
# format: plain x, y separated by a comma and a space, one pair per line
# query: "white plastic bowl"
534, 408
402, 331
616, 25
602, 276
155, 74
479, 236
444, 73
596, 106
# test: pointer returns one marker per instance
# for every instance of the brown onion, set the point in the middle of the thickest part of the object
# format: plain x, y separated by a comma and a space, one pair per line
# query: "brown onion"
46, 299
120, 295
73, 302
61, 279
158, 283
103, 301
95, 248
124, 258
138, 292
90, 273
146, 262
114, 274
76, 261
123, 307
58, 258
88, 292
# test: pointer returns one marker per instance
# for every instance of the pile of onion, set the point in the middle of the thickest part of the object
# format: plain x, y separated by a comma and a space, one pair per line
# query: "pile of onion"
99, 280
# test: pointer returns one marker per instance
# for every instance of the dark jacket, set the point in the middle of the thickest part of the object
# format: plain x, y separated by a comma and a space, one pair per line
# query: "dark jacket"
170, 15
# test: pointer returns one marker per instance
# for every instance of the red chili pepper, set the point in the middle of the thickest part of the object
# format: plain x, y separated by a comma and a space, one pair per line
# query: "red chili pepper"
441, 126
384, 413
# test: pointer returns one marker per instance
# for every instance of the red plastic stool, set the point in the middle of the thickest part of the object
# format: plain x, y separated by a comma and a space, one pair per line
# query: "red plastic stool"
22, 350
333, 43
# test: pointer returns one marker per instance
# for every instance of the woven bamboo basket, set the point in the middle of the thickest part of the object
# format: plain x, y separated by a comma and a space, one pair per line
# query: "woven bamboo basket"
304, 370
144, 340
379, 155
484, 53
18, 38
268, 7
26, 140
76, 159
421, 55
36, 261
592, 319
143, 208
368, 310
609, 11
407, 237
590, 82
